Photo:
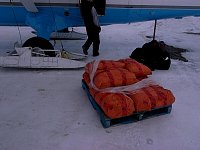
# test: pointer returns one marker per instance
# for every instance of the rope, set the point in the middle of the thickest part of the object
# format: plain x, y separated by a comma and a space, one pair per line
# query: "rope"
16, 21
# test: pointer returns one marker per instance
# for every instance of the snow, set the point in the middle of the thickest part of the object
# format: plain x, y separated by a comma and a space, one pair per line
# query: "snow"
49, 110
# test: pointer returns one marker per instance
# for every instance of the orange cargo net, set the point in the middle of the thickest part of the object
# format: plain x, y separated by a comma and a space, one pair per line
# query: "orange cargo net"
114, 105
151, 97
129, 64
122, 87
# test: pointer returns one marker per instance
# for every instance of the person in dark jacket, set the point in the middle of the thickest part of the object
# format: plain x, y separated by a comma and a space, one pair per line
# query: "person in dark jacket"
92, 25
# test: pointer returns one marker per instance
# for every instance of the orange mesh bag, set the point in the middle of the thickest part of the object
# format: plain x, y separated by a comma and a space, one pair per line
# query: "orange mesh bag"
141, 101
151, 97
139, 69
114, 78
165, 97
86, 78
109, 64
105, 65
114, 105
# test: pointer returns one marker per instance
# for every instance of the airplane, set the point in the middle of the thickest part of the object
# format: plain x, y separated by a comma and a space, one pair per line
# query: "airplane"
47, 16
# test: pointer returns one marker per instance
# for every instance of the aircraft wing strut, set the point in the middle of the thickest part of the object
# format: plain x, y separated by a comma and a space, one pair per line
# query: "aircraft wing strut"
29, 5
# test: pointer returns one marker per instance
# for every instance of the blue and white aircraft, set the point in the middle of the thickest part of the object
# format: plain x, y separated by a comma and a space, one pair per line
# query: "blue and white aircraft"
46, 16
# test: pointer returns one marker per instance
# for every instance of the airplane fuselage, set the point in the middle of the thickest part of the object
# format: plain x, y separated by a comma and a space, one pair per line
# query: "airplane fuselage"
46, 16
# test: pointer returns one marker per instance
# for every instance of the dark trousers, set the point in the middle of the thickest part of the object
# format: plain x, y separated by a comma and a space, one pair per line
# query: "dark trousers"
93, 38
91, 28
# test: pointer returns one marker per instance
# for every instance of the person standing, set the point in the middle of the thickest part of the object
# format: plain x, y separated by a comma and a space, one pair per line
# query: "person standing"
92, 25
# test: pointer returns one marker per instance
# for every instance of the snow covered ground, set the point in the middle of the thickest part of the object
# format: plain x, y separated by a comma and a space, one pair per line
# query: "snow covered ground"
48, 109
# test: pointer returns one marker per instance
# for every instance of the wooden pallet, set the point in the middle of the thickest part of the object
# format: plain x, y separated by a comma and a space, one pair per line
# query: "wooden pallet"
107, 122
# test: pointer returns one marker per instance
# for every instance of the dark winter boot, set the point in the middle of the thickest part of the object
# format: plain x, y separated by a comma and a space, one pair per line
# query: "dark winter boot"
95, 53
85, 50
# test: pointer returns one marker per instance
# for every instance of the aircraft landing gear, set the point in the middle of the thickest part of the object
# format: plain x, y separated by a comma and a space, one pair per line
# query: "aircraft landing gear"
41, 43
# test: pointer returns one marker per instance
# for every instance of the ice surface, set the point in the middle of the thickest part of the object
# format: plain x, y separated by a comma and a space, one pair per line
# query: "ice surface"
48, 109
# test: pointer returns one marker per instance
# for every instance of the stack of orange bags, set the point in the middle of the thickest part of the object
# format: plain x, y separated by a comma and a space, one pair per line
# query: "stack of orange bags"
124, 72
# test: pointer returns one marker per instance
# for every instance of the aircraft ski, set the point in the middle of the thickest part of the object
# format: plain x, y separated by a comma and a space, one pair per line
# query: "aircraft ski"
27, 57
70, 35
66, 35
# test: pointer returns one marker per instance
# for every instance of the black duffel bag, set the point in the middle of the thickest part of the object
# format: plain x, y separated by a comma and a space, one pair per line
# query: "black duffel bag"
152, 55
